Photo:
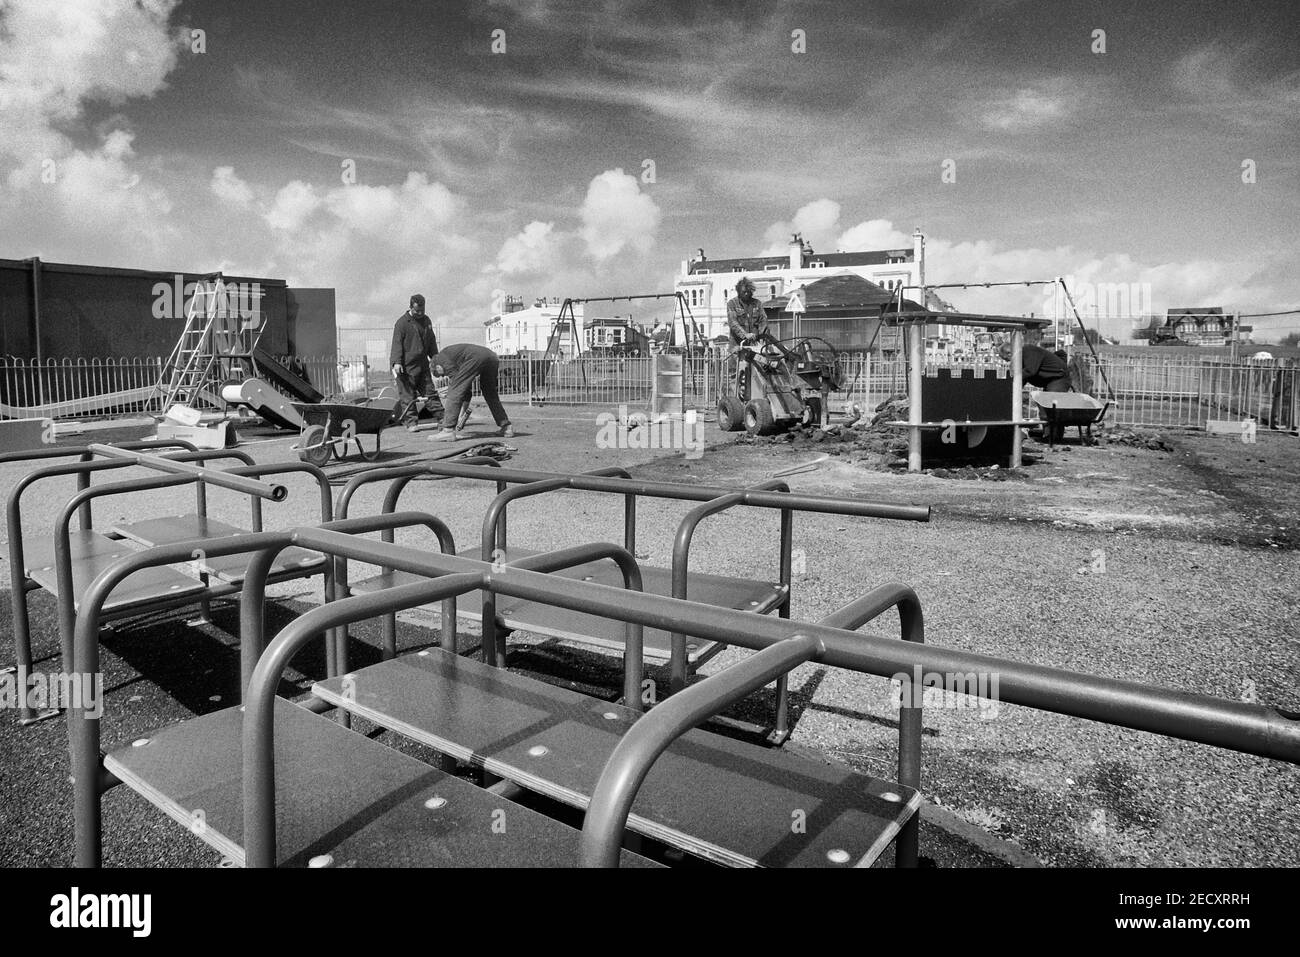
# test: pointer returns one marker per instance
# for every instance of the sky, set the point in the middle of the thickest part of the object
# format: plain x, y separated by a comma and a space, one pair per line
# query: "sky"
558, 148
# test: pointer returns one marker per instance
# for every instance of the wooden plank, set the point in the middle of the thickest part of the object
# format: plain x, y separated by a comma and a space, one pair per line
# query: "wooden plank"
169, 529
721, 799
338, 794
291, 562
741, 594
92, 553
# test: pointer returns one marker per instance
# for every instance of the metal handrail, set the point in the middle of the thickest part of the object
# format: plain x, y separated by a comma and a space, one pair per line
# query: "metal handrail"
681, 561
699, 493
276, 493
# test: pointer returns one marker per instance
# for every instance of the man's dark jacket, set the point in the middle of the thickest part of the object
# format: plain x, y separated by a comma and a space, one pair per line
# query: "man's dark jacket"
413, 342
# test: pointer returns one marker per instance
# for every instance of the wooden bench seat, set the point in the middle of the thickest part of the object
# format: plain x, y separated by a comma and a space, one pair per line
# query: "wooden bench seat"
518, 614
291, 562
718, 798
342, 799
91, 553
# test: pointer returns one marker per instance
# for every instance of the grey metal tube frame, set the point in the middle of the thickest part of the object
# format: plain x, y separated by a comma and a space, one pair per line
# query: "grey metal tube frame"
230, 480
18, 583
89, 778
681, 578
1249, 728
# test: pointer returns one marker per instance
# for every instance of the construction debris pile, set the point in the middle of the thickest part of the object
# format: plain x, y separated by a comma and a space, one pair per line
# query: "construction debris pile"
865, 441
868, 441
1138, 439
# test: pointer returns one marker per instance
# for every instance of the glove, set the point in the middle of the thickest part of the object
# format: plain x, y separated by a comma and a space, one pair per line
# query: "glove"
397, 370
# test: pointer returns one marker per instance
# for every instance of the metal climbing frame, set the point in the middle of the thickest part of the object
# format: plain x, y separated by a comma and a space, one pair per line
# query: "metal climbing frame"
1240, 726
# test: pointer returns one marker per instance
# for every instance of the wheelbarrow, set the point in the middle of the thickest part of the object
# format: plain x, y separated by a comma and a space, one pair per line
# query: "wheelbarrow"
1061, 410
329, 427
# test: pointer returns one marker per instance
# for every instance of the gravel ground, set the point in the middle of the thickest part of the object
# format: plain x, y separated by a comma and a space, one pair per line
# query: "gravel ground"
1173, 568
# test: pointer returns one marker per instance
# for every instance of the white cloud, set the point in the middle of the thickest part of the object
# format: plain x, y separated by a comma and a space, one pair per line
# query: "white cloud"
56, 57
616, 214
1024, 110
294, 202
227, 186
532, 250
819, 223
873, 234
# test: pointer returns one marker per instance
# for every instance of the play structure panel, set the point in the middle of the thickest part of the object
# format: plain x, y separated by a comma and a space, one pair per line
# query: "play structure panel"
960, 397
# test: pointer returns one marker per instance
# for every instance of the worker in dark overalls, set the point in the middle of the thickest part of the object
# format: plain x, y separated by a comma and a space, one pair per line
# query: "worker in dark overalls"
413, 344
746, 321
1041, 368
465, 362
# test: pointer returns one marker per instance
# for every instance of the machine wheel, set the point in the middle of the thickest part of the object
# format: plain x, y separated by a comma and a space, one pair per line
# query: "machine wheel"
758, 418
731, 417
314, 447
812, 412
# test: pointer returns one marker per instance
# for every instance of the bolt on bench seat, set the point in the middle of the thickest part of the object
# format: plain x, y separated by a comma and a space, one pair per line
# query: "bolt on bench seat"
343, 799
738, 593
715, 797
91, 553
293, 561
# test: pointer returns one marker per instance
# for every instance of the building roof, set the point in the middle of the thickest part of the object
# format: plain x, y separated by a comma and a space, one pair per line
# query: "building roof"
758, 264
845, 291
160, 275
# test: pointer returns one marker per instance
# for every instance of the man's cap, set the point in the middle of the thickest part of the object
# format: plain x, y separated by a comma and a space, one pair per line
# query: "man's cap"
417, 298
743, 281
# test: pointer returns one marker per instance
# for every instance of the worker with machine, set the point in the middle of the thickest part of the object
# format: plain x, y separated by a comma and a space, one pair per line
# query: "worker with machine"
414, 344
747, 322
1042, 368
465, 362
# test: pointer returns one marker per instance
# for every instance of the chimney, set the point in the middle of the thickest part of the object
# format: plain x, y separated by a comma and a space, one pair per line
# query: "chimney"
796, 251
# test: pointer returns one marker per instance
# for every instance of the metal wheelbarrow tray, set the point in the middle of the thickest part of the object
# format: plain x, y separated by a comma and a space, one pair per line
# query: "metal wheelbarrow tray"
1060, 410
330, 426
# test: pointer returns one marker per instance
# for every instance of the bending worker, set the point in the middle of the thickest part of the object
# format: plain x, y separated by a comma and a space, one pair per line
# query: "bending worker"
746, 321
465, 362
413, 345
1042, 368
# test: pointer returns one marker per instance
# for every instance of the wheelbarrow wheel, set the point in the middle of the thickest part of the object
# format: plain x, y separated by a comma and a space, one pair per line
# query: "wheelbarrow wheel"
314, 446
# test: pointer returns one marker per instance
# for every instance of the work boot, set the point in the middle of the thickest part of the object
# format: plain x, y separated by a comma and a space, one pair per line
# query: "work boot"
446, 435
507, 431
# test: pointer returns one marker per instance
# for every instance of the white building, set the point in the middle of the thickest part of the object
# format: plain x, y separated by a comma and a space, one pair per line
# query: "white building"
517, 329
708, 284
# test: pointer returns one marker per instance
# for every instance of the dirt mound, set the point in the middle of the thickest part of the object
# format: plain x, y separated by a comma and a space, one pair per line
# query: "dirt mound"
865, 441
1138, 439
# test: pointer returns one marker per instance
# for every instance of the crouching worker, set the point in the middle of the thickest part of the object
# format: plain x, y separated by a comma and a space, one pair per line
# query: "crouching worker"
465, 362
1041, 368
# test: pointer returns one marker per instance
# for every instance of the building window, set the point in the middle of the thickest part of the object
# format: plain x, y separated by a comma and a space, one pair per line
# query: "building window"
771, 267
818, 264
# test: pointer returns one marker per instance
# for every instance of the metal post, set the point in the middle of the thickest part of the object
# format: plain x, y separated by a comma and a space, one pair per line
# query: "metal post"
915, 332
1017, 388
